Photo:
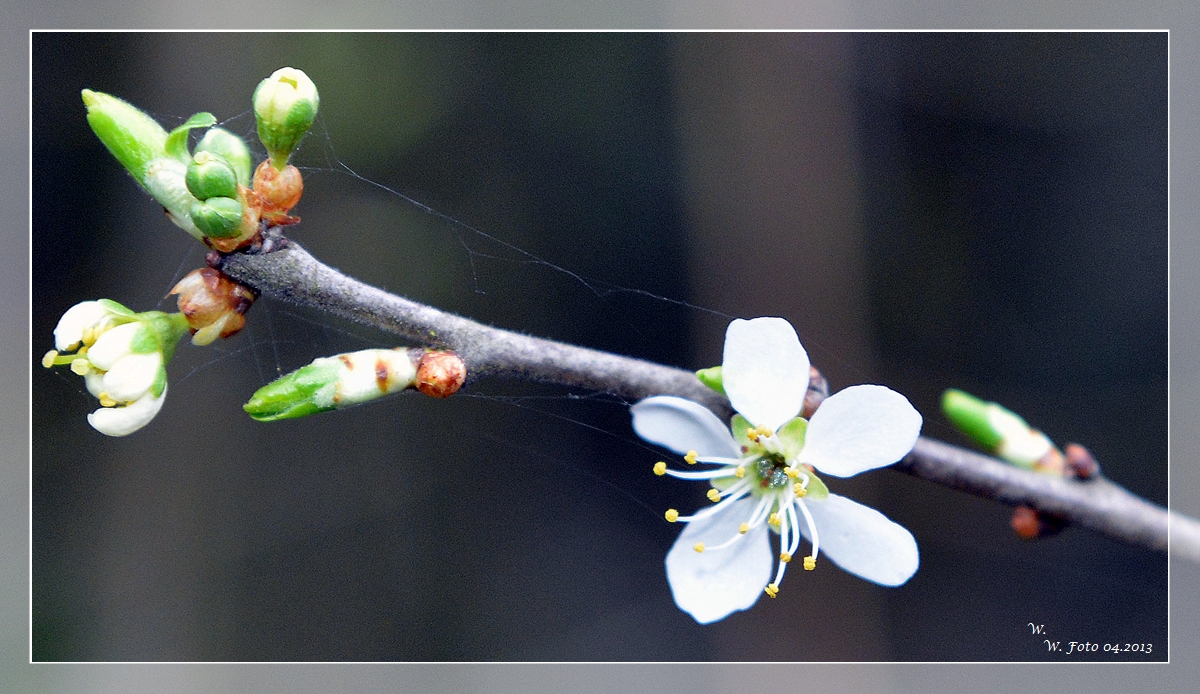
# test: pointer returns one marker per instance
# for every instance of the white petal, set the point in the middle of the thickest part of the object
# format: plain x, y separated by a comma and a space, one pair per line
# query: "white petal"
860, 428
862, 540
69, 331
132, 376
765, 371
113, 345
121, 421
682, 425
711, 585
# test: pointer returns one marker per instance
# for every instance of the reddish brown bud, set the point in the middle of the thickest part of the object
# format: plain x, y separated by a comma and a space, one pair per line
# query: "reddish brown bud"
278, 191
213, 304
1029, 524
1080, 462
440, 374
818, 390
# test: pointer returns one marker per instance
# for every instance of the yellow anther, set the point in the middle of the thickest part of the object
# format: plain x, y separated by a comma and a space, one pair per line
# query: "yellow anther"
773, 519
771, 589
810, 563
699, 546
672, 515
785, 557
740, 472
790, 472
81, 367
752, 434
690, 458
660, 468
800, 490
743, 528
714, 496
48, 359
89, 335
105, 400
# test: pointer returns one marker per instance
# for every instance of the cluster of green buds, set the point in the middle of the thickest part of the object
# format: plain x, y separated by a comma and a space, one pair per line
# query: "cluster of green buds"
343, 380
1009, 437
122, 357
210, 192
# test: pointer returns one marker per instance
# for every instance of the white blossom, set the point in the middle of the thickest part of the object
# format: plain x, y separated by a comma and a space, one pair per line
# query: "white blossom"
762, 470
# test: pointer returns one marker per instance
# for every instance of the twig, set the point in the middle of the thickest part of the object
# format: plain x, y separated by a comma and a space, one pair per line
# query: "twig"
293, 275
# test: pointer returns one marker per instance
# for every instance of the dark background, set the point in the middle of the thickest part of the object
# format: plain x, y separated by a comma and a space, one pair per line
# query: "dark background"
986, 211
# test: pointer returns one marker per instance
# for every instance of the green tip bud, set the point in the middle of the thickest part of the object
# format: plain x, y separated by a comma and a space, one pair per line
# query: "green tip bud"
997, 429
133, 137
210, 176
298, 394
285, 105
711, 377
232, 149
331, 383
972, 416
218, 217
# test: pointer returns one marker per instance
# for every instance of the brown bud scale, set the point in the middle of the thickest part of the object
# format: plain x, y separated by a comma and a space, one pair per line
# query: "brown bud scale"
440, 374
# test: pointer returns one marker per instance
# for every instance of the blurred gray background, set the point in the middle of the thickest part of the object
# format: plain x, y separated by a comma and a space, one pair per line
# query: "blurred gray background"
985, 211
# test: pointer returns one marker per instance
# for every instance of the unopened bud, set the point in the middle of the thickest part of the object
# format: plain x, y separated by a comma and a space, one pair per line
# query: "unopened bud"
285, 105
231, 148
1080, 462
818, 390
440, 374
1029, 524
217, 217
209, 175
213, 304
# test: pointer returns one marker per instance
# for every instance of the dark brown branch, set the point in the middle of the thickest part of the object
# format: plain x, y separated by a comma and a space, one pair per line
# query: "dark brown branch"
293, 275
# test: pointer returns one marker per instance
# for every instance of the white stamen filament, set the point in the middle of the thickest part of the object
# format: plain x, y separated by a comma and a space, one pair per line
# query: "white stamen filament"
812, 527
702, 474
742, 490
785, 522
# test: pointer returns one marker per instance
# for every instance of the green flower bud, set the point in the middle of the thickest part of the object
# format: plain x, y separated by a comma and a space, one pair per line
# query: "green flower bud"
285, 105
232, 148
210, 176
970, 415
133, 137
331, 383
998, 429
218, 217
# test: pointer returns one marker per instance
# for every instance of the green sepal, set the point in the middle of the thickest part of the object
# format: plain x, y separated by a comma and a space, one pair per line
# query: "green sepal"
738, 426
117, 308
711, 377
791, 437
209, 175
218, 218
232, 149
970, 415
176, 144
161, 334
133, 137
816, 489
293, 395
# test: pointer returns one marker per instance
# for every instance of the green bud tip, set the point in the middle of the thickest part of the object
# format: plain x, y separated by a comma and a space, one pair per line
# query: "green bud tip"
218, 217
231, 148
133, 137
285, 105
975, 418
210, 176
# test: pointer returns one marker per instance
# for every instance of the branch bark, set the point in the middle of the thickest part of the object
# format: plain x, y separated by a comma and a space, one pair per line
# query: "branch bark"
291, 274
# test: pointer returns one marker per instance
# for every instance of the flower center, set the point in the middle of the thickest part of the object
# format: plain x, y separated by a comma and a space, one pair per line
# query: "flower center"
772, 471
